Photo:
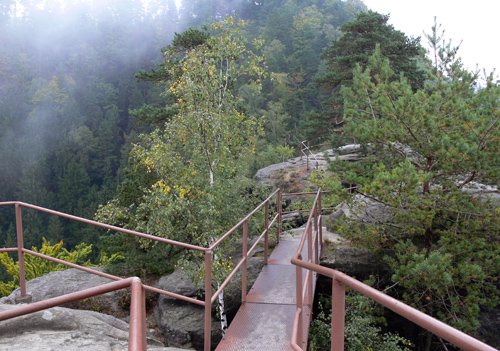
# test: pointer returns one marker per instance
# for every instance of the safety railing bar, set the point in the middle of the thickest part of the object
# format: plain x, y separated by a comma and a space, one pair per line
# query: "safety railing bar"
140, 291
9, 249
306, 193
261, 236
240, 223
304, 237
324, 209
305, 289
227, 280
72, 265
113, 277
427, 322
174, 295
137, 324
295, 324
67, 298
271, 223
111, 227
257, 242
298, 253
240, 263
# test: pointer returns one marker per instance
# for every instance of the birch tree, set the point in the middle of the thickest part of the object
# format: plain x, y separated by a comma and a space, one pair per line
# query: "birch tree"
196, 159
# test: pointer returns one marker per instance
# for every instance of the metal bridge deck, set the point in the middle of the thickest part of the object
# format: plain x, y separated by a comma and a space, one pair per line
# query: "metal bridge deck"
265, 321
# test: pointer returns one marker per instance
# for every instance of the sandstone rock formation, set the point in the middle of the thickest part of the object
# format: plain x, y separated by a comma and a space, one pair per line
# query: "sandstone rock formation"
67, 329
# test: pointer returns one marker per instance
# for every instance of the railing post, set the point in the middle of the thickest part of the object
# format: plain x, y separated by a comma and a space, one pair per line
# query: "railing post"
244, 264
316, 236
137, 327
338, 315
309, 275
20, 247
320, 224
279, 210
299, 303
207, 325
266, 236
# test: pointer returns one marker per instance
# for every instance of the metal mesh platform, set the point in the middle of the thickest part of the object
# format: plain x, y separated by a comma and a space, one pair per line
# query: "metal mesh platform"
265, 321
283, 252
260, 327
275, 284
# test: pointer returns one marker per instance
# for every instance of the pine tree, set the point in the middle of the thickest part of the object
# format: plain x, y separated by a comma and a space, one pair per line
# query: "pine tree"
424, 149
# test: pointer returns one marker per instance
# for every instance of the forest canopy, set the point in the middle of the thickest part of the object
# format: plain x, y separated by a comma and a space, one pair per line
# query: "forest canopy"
156, 118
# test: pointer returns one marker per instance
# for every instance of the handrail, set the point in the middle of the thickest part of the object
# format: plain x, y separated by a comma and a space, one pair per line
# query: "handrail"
137, 327
105, 226
208, 253
303, 148
341, 280
246, 253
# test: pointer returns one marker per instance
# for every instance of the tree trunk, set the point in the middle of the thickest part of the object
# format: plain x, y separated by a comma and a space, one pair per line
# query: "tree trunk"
220, 305
220, 298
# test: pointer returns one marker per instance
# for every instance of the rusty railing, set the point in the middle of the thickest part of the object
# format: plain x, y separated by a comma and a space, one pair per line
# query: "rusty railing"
339, 283
137, 333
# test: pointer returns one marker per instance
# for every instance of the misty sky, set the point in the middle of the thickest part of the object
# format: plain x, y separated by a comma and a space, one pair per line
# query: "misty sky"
475, 23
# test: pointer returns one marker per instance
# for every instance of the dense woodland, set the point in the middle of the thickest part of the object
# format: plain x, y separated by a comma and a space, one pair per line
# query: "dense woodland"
70, 86
156, 118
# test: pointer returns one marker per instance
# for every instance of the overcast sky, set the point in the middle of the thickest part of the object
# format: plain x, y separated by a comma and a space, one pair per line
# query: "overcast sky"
476, 23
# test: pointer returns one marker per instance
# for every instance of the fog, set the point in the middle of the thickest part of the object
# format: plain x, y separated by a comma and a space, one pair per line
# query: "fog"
67, 84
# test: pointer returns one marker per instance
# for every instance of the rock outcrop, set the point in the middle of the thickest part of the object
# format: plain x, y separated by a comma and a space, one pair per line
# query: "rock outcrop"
67, 329
71, 280
292, 174
181, 323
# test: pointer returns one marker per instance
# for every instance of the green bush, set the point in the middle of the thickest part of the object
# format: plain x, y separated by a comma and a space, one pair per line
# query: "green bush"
362, 327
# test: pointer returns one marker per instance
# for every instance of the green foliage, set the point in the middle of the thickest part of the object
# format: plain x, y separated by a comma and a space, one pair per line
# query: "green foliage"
268, 154
362, 328
423, 149
359, 40
36, 266
195, 163
136, 260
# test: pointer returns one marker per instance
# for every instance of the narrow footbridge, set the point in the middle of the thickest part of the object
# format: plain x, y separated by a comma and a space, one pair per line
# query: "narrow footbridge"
274, 314
265, 320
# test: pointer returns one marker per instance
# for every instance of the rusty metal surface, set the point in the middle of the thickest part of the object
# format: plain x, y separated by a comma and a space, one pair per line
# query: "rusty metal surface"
265, 321
260, 327
283, 252
275, 284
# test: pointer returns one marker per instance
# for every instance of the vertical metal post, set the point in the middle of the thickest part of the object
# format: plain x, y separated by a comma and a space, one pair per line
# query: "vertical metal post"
315, 236
137, 327
279, 210
309, 296
143, 304
207, 325
338, 315
244, 264
266, 236
300, 305
20, 247
320, 223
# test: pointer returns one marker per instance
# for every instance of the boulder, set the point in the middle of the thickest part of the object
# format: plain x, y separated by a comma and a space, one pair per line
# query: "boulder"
292, 175
71, 280
67, 329
181, 323
356, 262
362, 209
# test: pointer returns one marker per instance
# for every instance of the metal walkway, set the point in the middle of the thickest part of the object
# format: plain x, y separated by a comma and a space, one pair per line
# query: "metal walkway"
264, 321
